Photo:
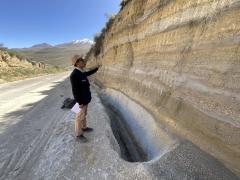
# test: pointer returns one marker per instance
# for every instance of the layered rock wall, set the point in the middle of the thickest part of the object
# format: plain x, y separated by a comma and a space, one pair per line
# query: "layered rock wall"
180, 59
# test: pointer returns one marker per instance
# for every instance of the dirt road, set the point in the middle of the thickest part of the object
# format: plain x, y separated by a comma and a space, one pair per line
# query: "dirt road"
29, 113
37, 141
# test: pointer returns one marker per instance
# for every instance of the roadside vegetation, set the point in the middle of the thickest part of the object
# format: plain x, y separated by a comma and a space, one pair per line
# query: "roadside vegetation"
96, 48
18, 73
124, 3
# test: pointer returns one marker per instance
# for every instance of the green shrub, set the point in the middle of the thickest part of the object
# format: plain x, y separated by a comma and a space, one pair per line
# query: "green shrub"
20, 56
99, 38
3, 49
110, 22
124, 3
12, 54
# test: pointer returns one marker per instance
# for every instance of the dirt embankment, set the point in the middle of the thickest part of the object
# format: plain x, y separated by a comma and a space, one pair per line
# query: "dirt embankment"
180, 60
14, 67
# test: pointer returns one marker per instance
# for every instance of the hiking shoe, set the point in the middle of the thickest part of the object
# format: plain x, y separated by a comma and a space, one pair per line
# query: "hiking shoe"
88, 129
82, 138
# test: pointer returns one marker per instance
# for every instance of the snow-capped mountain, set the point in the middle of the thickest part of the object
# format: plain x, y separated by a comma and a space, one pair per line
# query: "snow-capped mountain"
82, 41
76, 43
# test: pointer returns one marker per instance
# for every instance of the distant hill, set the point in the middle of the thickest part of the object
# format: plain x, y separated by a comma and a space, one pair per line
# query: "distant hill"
43, 45
57, 55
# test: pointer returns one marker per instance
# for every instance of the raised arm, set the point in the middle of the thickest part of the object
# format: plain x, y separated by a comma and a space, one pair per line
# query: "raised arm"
89, 73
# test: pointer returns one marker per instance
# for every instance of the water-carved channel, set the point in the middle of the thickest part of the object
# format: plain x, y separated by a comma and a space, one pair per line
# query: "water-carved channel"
139, 137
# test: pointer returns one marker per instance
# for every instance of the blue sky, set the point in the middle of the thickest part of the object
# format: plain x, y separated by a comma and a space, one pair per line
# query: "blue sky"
28, 22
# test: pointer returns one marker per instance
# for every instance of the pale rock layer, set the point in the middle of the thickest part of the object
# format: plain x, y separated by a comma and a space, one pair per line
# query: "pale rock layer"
181, 61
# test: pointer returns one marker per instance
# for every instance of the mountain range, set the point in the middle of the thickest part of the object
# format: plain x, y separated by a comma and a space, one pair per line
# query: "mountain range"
73, 43
57, 55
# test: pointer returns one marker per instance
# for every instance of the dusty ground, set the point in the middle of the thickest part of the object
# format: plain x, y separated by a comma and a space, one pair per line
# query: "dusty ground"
37, 141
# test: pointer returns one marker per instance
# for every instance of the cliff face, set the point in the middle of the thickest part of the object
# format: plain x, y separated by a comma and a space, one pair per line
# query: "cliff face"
181, 61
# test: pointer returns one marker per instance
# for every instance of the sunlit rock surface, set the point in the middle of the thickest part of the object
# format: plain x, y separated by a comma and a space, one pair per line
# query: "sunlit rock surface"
181, 61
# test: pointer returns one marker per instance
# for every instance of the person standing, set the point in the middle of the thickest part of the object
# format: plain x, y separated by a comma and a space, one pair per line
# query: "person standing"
81, 93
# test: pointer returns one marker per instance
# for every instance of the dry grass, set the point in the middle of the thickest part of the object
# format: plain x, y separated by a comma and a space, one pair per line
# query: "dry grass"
17, 73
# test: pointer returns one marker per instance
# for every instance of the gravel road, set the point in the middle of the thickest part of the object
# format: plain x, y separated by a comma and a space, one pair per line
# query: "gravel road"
37, 141
29, 113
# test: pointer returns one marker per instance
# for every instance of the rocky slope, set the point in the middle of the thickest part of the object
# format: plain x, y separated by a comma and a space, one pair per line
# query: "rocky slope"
181, 61
14, 67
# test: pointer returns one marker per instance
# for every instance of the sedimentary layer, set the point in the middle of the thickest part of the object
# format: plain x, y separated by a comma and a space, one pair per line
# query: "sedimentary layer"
180, 60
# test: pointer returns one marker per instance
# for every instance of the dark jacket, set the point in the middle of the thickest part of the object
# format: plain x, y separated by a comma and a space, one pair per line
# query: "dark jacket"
80, 86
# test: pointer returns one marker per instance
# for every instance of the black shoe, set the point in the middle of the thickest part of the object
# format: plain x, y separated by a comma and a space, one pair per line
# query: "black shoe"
88, 129
82, 138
